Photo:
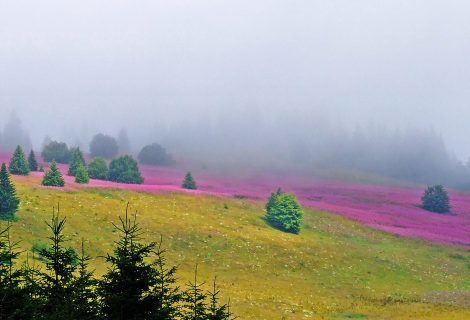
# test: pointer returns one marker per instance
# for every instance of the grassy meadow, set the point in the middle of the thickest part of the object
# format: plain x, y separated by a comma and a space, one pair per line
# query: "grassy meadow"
334, 269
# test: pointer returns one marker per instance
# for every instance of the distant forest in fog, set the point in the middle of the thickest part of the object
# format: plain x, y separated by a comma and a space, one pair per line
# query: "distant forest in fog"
412, 154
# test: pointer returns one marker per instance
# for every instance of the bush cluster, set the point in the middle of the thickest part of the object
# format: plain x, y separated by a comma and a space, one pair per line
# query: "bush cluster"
155, 154
103, 146
56, 151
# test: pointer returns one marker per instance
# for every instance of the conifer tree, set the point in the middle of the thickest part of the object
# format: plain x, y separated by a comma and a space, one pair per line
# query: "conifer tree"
11, 293
284, 212
189, 182
81, 174
272, 199
33, 163
53, 177
217, 311
167, 293
127, 287
18, 164
9, 201
32, 291
57, 282
435, 199
75, 161
195, 299
84, 296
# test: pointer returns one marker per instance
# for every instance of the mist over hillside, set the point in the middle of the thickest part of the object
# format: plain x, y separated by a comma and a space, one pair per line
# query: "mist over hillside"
310, 86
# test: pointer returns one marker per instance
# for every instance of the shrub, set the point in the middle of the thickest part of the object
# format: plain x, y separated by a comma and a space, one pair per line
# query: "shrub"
97, 169
188, 182
53, 177
18, 164
154, 154
9, 201
33, 163
124, 169
81, 175
56, 151
284, 212
103, 146
435, 199
76, 160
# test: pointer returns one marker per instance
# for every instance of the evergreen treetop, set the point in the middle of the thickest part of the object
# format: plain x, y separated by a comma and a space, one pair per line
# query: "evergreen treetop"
53, 177
81, 174
189, 182
33, 163
75, 161
18, 164
436, 199
9, 201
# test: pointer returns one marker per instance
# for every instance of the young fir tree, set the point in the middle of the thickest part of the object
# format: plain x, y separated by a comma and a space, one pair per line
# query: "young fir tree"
195, 301
167, 293
84, 295
9, 201
436, 199
75, 161
53, 177
11, 293
18, 164
215, 310
81, 174
189, 182
97, 169
272, 199
285, 212
33, 163
59, 281
127, 288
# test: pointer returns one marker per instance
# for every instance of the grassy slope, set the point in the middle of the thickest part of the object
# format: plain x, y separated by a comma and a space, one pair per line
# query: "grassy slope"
334, 269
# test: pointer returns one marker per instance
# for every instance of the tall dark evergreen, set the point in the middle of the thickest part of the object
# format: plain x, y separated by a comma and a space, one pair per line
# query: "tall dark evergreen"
188, 182
127, 289
9, 201
11, 292
84, 295
60, 265
67, 285
33, 163
195, 301
53, 177
18, 164
75, 161
167, 294
215, 310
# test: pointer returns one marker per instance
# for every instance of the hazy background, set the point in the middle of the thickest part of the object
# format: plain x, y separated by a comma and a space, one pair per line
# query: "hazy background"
297, 82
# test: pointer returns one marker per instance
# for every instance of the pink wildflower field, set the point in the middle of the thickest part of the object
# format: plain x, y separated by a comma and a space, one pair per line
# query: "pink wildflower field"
388, 208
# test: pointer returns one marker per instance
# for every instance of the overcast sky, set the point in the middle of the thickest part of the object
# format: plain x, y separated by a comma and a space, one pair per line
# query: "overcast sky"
64, 65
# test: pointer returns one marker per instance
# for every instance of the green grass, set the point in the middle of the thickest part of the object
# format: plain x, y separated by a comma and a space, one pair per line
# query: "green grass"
334, 269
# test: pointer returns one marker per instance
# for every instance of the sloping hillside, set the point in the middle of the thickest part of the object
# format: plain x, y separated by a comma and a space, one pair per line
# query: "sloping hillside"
335, 268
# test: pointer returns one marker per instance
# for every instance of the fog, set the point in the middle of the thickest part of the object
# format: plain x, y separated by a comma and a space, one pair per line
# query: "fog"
294, 84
